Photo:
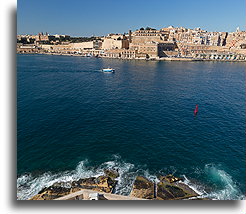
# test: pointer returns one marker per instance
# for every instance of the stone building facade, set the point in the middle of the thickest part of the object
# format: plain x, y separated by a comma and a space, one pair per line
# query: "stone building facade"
115, 41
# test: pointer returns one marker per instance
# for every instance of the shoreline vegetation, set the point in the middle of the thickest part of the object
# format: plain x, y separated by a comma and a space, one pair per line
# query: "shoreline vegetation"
167, 187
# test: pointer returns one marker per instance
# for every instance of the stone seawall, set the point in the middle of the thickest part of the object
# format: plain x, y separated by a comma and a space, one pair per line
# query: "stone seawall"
151, 59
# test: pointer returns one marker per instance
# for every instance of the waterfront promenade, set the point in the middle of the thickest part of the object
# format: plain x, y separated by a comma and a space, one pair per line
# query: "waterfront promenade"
171, 44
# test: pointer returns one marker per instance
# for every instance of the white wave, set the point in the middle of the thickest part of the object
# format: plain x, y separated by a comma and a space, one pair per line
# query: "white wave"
197, 188
150, 177
228, 190
28, 186
126, 175
224, 187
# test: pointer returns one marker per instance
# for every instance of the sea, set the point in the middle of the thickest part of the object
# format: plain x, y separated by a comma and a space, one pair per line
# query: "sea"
74, 121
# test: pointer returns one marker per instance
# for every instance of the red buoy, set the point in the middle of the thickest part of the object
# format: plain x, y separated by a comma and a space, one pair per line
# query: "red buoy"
196, 110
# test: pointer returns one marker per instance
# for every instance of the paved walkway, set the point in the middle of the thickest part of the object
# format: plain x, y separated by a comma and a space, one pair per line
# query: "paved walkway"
86, 194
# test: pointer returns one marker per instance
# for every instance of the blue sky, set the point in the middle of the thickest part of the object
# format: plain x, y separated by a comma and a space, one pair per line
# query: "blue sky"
95, 17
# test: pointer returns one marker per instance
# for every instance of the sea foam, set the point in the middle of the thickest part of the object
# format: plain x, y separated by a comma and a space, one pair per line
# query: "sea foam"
29, 185
228, 189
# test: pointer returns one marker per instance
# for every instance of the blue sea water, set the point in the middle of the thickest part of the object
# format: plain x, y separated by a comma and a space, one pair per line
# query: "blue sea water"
73, 121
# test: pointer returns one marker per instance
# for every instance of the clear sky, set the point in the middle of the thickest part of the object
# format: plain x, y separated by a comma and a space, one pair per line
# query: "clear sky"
100, 17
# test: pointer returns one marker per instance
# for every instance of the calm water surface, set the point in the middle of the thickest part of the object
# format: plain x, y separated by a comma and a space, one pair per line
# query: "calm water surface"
74, 120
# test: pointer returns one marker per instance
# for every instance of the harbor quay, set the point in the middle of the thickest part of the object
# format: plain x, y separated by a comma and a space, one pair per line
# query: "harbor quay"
171, 43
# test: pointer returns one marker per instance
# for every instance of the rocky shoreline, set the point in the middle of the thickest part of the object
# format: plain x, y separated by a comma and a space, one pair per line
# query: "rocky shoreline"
168, 187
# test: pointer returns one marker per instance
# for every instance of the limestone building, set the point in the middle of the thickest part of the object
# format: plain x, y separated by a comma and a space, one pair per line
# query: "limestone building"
151, 35
115, 41
152, 43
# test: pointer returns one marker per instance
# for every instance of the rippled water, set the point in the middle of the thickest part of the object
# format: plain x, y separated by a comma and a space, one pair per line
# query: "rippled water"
74, 120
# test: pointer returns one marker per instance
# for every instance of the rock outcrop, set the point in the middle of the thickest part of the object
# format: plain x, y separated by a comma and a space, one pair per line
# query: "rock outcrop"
113, 174
169, 187
55, 191
170, 178
142, 188
104, 183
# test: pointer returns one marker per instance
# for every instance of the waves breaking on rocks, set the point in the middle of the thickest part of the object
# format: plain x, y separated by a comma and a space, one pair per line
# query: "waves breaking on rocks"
29, 185
227, 187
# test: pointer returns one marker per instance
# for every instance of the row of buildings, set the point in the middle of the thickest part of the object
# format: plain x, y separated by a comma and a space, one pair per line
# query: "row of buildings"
145, 43
42, 38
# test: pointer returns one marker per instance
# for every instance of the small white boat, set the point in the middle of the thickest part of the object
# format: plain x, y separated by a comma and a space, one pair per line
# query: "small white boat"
108, 70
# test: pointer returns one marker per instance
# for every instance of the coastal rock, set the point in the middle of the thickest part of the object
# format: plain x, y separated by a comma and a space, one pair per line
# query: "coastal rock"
49, 193
105, 182
113, 174
163, 193
85, 182
101, 183
171, 191
167, 189
187, 189
170, 178
142, 188
59, 189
